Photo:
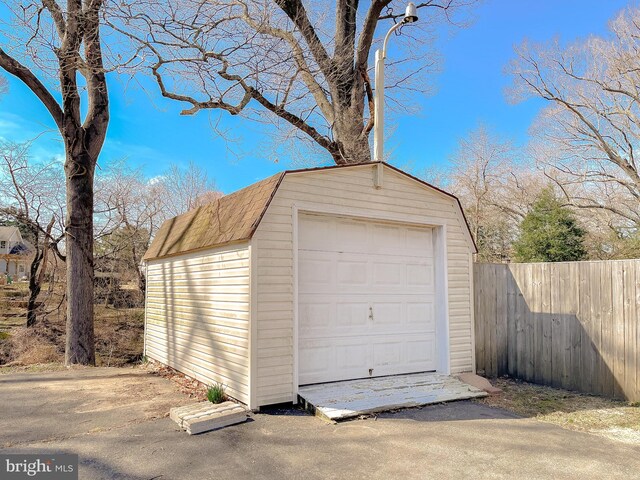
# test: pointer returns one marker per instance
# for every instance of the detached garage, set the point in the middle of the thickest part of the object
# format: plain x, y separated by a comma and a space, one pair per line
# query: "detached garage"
313, 276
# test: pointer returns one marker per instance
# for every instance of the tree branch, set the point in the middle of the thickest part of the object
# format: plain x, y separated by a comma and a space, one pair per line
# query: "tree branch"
15, 68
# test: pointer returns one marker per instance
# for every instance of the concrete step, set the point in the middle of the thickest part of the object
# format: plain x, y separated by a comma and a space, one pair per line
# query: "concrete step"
205, 416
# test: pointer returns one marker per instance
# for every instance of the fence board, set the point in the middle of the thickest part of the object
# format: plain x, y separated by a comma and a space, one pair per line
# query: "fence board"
574, 324
558, 327
618, 339
575, 331
510, 319
501, 318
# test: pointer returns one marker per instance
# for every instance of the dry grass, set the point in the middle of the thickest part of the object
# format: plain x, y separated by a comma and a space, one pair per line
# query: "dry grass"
25, 346
33, 368
588, 413
119, 339
119, 336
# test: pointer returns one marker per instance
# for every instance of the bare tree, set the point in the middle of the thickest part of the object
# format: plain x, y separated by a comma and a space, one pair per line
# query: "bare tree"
588, 136
305, 65
495, 185
183, 189
48, 39
130, 208
32, 194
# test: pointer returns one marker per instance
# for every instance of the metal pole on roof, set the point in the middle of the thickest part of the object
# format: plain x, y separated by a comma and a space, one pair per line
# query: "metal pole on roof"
410, 16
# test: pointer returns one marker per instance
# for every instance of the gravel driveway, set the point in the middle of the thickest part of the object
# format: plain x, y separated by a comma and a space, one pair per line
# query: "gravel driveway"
115, 420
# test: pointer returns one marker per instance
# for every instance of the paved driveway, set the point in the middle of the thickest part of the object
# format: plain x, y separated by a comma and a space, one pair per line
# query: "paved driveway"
110, 418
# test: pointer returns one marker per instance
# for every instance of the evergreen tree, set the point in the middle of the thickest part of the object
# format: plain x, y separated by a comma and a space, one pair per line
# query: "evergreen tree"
549, 233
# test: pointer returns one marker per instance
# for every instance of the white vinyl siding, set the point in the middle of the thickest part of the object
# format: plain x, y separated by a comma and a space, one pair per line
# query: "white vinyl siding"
400, 199
197, 316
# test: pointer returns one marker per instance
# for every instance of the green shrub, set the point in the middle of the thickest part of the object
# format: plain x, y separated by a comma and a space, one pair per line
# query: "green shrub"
216, 394
550, 233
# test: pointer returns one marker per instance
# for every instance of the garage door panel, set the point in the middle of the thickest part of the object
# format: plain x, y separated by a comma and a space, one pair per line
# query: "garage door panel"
316, 314
388, 274
366, 299
421, 352
388, 355
398, 354
351, 357
422, 314
420, 275
349, 236
346, 357
316, 272
387, 239
316, 357
351, 315
416, 238
313, 233
386, 313
333, 269
348, 313
351, 273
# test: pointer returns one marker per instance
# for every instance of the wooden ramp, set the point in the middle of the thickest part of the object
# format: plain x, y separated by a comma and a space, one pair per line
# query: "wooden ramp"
352, 398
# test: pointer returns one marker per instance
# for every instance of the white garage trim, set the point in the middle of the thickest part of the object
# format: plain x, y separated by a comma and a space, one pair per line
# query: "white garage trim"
440, 277
472, 313
253, 326
442, 299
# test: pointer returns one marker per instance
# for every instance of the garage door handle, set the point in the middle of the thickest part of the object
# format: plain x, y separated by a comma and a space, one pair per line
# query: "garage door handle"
371, 313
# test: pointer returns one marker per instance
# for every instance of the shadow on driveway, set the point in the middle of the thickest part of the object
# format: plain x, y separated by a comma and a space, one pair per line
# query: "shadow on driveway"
118, 438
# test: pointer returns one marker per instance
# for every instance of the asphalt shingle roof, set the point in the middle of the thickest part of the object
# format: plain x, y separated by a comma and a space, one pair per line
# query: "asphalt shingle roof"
234, 217
231, 218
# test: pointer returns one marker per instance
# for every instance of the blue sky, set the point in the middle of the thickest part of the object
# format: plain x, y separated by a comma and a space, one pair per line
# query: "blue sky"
148, 131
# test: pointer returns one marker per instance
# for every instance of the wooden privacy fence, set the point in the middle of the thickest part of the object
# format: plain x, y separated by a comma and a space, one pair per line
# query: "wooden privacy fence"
573, 324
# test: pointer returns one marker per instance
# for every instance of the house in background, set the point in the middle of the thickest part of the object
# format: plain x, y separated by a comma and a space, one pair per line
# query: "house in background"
313, 276
15, 253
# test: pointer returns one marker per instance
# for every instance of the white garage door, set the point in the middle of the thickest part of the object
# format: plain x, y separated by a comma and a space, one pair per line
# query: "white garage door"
366, 299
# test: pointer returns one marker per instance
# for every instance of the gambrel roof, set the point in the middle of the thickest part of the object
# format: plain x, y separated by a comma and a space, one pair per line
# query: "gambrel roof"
235, 217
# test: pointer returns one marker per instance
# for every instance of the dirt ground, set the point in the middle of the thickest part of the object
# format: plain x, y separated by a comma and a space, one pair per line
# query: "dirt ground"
615, 419
119, 339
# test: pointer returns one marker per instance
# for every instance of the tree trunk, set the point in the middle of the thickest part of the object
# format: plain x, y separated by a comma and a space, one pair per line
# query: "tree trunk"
37, 271
34, 284
352, 142
142, 281
79, 169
